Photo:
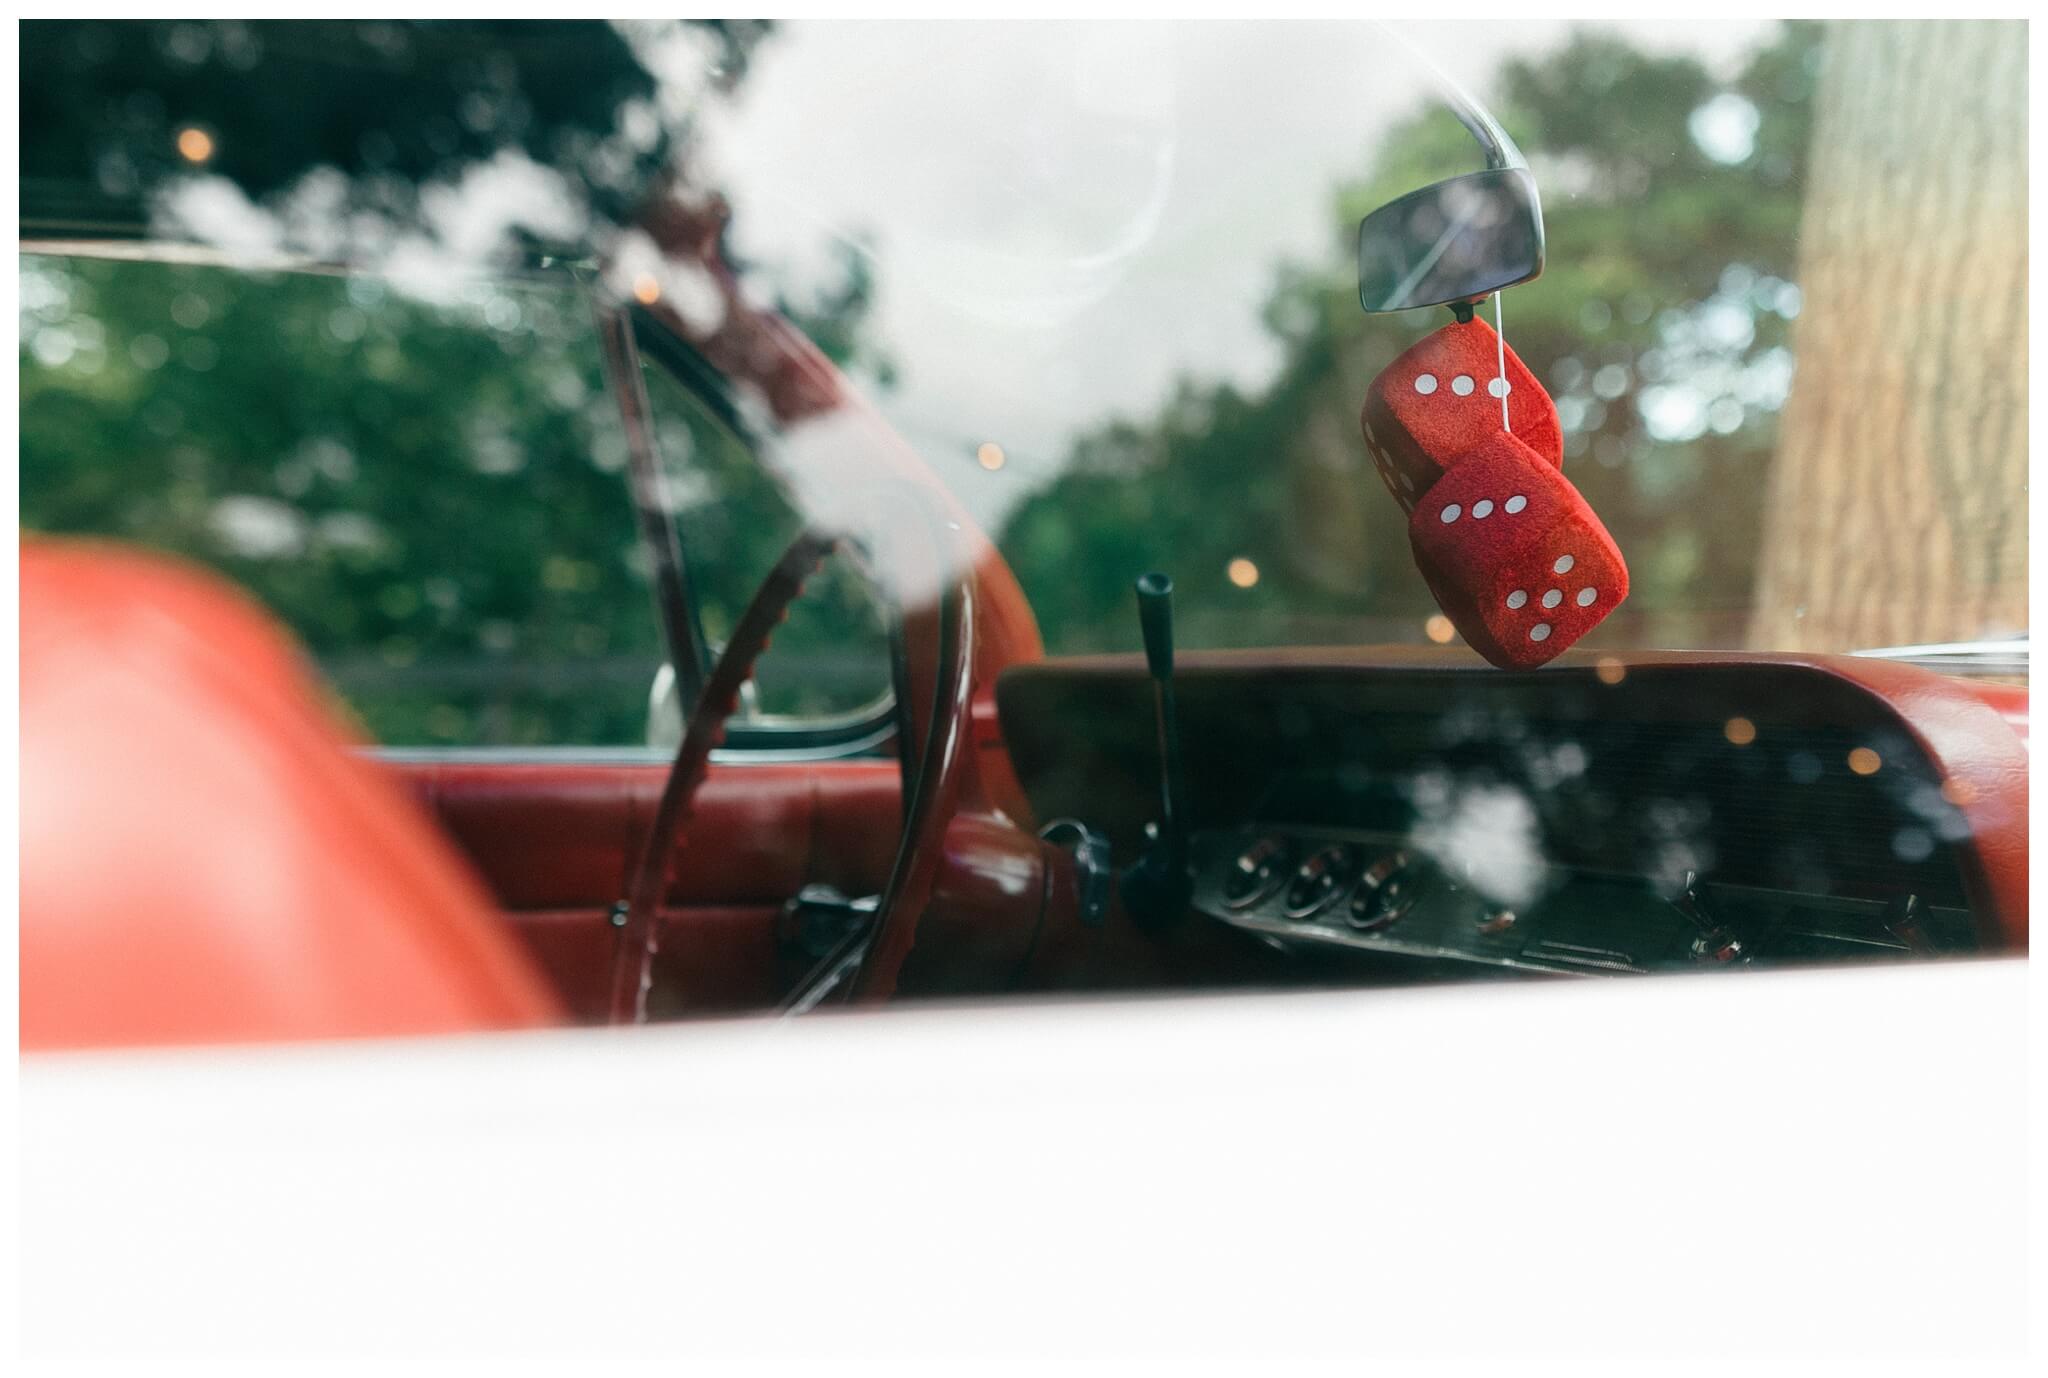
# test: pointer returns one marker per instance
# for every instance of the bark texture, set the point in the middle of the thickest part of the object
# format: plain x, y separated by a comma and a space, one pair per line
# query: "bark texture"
1897, 504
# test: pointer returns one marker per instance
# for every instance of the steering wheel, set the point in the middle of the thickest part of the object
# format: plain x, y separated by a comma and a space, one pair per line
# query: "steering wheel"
639, 936
937, 641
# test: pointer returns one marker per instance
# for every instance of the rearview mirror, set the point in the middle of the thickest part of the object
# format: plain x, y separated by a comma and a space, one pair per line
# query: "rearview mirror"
1455, 240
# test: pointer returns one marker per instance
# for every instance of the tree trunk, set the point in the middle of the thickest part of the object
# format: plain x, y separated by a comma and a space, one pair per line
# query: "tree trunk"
1897, 506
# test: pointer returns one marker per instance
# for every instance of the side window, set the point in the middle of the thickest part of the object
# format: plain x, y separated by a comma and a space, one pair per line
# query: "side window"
428, 487
829, 663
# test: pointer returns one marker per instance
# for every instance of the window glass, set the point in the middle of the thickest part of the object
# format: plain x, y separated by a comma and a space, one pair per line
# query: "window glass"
830, 659
428, 489
1113, 270
1102, 278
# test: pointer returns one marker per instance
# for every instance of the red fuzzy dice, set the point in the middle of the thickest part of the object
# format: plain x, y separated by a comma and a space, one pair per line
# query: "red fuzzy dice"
1440, 400
1515, 557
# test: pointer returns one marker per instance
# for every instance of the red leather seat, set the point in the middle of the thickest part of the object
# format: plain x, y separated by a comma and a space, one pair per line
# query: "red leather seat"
204, 857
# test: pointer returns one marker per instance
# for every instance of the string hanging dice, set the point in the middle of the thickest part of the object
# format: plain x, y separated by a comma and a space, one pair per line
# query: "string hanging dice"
1514, 555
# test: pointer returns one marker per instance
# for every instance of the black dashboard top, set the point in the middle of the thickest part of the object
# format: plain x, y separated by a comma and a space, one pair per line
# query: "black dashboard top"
1758, 778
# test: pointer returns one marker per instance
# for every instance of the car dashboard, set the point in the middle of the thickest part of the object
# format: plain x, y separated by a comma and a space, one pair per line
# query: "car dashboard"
1384, 894
1607, 817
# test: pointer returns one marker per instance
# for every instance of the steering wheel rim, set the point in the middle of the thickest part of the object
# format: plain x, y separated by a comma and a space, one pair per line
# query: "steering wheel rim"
934, 793
939, 635
639, 931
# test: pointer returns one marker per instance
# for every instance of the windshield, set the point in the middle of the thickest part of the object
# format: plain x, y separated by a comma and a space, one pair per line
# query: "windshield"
1102, 277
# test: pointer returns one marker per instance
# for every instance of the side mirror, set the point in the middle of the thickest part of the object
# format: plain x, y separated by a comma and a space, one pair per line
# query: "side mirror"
665, 713
1456, 240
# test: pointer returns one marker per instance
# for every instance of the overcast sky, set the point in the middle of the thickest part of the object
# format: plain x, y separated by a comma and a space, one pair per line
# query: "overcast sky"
1067, 216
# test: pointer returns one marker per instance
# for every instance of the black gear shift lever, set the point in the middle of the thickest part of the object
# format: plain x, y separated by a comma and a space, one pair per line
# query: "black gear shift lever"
1157, 888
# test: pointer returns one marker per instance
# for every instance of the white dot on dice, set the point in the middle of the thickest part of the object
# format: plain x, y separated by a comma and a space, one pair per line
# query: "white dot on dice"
1462, 385
1540, 632
1586, 597
1553, 598
1483, 508
1515, 503
1425, 383
1517, 598
1563, 565
1498, 387
1451, 514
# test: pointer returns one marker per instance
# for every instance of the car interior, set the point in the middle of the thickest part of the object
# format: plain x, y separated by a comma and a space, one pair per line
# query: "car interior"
218, 848
216, 857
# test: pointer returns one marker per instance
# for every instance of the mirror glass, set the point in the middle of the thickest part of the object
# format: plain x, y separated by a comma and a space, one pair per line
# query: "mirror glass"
1454, 240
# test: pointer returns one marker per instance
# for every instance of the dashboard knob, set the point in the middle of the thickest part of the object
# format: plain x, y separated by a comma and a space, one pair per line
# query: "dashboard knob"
1385, 892
1321, 879
1495, 922
1256, 872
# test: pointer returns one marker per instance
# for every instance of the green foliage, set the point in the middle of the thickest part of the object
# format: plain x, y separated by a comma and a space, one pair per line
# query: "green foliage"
391, 105
1660, 325
427, 493
831, 656
430, 493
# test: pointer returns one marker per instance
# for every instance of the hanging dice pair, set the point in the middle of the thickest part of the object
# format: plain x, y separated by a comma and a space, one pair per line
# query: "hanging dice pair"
1515, 557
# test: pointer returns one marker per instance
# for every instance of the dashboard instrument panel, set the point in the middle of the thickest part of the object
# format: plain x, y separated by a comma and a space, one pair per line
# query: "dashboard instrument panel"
1615, 815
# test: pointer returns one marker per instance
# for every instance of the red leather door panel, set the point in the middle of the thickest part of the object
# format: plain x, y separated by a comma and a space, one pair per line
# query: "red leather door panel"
553, 842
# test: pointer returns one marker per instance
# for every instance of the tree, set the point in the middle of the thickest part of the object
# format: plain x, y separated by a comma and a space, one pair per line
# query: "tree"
427, 488
1897, 510
1660, 326
391, 106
